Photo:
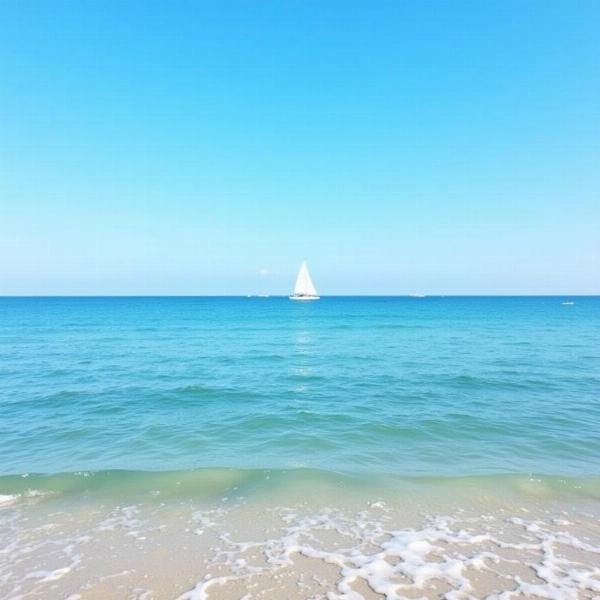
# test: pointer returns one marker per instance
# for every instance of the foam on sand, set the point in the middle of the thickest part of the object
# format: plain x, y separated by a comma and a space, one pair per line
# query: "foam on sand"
459, 556
323, 544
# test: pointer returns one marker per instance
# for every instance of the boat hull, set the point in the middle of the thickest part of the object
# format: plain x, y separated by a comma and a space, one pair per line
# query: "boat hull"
304, 298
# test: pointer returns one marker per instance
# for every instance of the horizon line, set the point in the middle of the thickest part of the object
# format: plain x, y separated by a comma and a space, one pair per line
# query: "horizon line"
266, 296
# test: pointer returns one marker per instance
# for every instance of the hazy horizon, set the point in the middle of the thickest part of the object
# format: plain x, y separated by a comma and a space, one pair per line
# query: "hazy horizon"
285, 295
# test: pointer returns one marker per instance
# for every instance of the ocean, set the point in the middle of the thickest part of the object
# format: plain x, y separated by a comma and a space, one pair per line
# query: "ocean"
353, 447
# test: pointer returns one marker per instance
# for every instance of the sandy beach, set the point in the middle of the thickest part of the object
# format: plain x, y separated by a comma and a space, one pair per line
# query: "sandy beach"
316, 537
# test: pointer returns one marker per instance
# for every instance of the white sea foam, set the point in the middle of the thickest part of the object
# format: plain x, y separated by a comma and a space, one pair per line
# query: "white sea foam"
541, 554
395, 562
31, 494
206, 519
38, 555
125, 519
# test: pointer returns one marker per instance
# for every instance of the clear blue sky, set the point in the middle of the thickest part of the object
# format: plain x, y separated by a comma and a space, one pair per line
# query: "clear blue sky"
207, 147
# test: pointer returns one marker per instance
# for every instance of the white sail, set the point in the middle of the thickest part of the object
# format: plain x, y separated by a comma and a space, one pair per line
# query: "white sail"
304, 287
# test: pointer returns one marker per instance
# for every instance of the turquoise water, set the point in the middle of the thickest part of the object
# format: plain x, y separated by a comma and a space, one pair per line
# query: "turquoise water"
407, 387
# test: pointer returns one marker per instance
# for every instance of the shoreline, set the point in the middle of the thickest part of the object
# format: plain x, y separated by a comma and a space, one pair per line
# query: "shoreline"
308, 537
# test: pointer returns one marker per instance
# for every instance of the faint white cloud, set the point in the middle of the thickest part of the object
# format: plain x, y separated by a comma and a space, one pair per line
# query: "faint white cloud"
264, 272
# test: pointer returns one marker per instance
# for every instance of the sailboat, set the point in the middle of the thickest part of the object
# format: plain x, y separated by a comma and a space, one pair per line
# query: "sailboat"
304, 288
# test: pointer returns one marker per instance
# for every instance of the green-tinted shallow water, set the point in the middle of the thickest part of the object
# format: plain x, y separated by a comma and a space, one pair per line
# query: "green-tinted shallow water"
212, 485
396, 387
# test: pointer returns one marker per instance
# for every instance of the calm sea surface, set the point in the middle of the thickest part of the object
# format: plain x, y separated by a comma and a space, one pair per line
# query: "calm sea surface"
397, 386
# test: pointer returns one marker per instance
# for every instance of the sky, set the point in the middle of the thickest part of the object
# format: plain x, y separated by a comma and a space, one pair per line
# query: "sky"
208, 147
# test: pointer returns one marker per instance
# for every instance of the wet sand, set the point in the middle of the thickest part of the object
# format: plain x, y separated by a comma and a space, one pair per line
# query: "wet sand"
302, 543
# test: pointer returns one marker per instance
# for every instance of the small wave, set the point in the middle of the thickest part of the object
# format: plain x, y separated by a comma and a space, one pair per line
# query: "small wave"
7, 498
196, 392
213, 481
28, 494
490, 382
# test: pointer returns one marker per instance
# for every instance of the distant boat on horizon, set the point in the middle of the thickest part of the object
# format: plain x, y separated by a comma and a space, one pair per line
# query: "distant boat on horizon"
304, 288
